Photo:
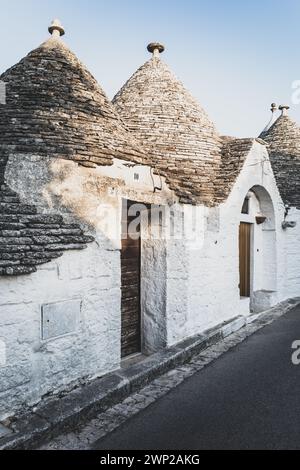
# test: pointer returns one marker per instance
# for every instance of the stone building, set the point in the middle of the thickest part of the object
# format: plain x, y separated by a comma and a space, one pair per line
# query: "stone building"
130, 226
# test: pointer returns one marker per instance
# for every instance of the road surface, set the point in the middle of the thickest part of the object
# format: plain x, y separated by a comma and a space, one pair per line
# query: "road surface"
249, 398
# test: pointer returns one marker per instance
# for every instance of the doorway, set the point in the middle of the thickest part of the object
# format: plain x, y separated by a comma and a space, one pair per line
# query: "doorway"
245, 258
130, 280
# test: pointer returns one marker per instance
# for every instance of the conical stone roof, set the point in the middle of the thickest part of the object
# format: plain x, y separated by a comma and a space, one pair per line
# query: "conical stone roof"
169, 122
55, 107
283, 138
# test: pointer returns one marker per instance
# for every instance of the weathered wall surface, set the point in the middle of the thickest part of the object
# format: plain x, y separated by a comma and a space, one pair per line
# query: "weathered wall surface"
203, 278
153, 290
290, 261
62, 324
86, 342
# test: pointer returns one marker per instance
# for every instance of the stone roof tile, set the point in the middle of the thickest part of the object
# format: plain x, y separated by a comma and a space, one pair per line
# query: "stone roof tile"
283, 138
55, 107
28, 239
181, 140
234, 154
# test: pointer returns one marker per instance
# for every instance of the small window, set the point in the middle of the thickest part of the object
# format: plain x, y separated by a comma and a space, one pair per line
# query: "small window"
245, 208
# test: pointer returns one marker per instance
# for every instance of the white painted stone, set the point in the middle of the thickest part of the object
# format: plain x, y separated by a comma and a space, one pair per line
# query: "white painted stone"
213, 270
60, 318
233, 326
190, 276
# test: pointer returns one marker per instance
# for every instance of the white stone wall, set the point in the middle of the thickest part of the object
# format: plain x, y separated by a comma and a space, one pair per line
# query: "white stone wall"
153, 291
203, 280
290, 260
190, 274
35, 367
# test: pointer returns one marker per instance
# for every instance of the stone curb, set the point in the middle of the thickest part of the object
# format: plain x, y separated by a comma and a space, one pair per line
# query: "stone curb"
61, 414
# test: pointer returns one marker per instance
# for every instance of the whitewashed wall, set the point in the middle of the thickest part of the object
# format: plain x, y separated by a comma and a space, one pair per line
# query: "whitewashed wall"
189, 281
35, 367
207, 292
92, 197
290, 260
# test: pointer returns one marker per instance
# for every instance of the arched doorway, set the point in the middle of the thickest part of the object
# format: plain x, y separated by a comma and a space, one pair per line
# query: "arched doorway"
257, 250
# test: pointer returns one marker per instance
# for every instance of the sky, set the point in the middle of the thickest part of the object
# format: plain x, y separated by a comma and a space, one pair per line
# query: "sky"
235, 56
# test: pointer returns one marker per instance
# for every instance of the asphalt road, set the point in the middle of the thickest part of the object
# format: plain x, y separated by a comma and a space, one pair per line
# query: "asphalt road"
249, 398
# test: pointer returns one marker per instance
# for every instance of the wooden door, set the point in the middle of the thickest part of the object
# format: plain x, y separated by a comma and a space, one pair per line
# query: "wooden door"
245, 259
130, 284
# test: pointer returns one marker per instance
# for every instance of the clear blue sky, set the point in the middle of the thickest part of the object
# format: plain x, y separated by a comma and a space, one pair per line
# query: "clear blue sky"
235, 56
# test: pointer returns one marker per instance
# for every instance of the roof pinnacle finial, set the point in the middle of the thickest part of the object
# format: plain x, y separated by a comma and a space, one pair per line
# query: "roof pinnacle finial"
273, 107
273, 110
284, 109
155, 48
56, 29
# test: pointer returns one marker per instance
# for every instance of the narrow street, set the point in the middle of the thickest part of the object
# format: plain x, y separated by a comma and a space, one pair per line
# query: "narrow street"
249, 398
